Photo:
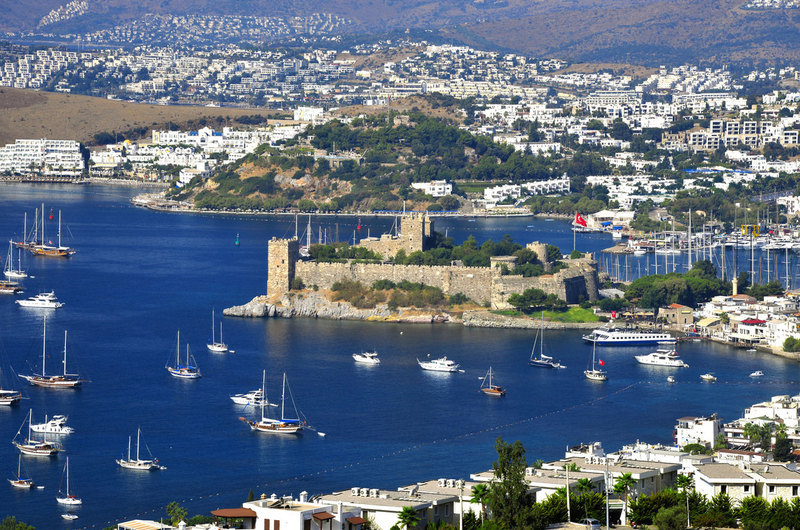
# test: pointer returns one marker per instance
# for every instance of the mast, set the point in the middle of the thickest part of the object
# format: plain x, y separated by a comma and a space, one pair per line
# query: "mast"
42, 224
138, 434
59, 229
44, 341
308, 233
263, 391
212, 326
129, 448
178, 351
67, 476
25, 228
295, 226
65, 352
283, 395
690, 239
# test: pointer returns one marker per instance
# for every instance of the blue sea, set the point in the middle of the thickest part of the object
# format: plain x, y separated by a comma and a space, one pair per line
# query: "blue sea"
140, 276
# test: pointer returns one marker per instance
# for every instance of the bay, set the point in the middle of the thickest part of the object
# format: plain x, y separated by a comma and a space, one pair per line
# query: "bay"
139, 276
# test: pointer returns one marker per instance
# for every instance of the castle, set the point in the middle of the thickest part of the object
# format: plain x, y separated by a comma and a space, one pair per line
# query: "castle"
485, 285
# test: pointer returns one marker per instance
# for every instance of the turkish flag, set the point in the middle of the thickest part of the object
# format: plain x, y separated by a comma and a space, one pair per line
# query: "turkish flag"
359, 224
613, 314
579, 220
601, 362
51, 214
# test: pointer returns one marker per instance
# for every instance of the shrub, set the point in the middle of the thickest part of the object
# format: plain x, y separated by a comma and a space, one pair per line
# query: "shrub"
383, 285
791, 344
458, 298
297, 284
575, 254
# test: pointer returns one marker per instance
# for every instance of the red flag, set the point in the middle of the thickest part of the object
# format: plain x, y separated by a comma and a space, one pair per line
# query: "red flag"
601, 362
613, 314
51, 214
359, 224
579, 220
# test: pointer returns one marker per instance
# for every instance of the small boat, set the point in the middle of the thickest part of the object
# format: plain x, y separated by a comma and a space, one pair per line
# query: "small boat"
67, 498
69, 516
214, 346
489, 388
670, 379
183, 371
757, 373
19, 481
255, 397
9, 397
56, 425
542, 361
10, 272
138, 463
283, 425
662, 357
63, 380
442, 364
41, 301
594, 373
751, 350
708, 378
33, 447
367, 357
7, 287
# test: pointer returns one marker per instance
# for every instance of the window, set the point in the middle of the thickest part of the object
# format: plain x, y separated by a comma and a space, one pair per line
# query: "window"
794, 491
723, 488
747, 488
772, 489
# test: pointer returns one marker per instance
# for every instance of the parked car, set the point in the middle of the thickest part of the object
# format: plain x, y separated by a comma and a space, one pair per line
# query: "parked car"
590, 524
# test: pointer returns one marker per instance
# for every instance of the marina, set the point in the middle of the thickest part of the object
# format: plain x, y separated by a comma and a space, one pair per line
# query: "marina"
126, 303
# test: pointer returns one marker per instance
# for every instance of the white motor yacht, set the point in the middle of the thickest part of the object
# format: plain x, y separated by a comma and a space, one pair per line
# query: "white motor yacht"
56, 425
367, 357
757, 373
443, 364
662, 357
42, 300
710, 378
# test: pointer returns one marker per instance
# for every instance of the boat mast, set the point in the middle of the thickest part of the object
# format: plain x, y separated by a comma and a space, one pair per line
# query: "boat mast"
283, 395
25, 228
65, 352
42, 224
263, 391
129, 448
178, 351
44, 341
59, 229
138, 434
212, 326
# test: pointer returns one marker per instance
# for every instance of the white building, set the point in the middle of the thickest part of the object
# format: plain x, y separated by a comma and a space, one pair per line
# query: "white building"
697, 430
42, 156
434, 188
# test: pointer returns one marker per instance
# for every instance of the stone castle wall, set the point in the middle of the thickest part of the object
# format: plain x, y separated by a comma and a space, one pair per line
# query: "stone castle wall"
474, 282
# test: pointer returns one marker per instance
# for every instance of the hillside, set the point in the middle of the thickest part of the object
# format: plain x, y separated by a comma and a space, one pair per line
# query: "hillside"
32, 114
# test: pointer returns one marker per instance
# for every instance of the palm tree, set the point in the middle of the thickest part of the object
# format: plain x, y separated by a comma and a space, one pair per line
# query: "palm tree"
408, 517
584, 486
479, 494
685, 482
623, 485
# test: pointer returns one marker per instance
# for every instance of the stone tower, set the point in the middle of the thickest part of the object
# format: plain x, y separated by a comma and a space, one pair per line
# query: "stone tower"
282, 254
416, 230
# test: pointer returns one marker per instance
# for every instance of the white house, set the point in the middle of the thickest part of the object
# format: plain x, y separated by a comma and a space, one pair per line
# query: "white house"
434, 188
697, 430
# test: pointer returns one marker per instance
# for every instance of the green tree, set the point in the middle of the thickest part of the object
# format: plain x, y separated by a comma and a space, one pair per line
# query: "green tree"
670, 518
251, 496
408, 517
508, 497
783, 446
754, 512
11, 523
176, 513
684, 483
623, 485
480, 493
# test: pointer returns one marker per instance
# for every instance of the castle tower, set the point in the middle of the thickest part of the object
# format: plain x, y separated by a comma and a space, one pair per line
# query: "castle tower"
282, 254
416, 230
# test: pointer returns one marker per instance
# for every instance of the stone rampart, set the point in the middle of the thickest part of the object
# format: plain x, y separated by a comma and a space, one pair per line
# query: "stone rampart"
474, 282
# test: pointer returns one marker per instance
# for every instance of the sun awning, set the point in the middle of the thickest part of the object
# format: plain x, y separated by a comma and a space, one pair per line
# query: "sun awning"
234, 512
323, 516
356, 520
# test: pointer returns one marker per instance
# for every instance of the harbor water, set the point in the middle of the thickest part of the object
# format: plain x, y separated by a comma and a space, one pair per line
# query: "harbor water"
140, 276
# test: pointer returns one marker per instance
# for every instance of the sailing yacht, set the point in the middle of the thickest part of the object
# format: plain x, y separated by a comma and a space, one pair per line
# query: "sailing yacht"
67, 498
34, 447
216, 347
10, 272
489, 388
595, 374
8, 396
543, 361
137, 463
278, 426
183, 371
63, 380
47, 249
19, 481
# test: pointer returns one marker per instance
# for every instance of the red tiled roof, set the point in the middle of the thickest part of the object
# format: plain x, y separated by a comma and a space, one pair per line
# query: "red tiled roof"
355, 520
234, 512
753, 321
322, 516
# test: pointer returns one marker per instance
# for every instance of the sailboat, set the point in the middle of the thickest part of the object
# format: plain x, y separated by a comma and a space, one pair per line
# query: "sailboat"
595, 374
489, 388
47, 249
67, 498
216, 347
279, 426
543, 361
183, 371
137, 463
19, 481
63, 380
34, 447
9, 271
8, 396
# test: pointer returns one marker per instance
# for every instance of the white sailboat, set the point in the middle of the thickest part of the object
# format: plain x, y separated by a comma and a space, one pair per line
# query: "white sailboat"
63, 380
67, 498
595, 374
543, 361
19, 481
216, 347
183, 371
8, 396
138, 463
283, 425
489, 388
10, 272
33, 447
